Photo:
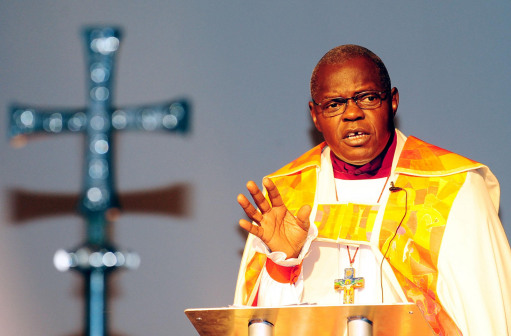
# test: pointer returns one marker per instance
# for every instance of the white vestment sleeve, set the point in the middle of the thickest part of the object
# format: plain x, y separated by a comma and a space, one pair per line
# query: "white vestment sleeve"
474, 263
273, 293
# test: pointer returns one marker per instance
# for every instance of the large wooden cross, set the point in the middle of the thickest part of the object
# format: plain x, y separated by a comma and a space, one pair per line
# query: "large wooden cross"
97, 257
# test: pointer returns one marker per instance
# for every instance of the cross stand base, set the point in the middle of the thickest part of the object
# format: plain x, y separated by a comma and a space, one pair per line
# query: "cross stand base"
95, 263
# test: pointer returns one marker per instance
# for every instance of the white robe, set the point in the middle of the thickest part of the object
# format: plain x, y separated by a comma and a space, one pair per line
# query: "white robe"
474, 264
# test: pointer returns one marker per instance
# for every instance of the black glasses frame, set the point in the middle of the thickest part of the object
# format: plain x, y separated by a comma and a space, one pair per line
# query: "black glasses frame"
355, 98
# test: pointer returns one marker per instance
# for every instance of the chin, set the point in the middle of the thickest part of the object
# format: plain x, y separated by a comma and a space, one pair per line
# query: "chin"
357, 159
358, 162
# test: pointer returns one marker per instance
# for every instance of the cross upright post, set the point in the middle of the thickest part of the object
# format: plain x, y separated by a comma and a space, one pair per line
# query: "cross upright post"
97, 257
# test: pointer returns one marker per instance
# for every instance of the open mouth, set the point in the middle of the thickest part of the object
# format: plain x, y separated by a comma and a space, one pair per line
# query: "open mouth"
355, 135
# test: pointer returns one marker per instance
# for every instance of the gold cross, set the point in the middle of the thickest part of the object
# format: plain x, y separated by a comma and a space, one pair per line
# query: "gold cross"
348, 284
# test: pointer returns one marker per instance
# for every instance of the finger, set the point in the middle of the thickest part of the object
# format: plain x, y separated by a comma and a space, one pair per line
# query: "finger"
260, 201
303, 217
273, 192
251, 228
249, 209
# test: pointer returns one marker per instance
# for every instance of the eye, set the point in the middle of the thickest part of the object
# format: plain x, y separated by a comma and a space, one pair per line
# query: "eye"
368, 100
368, 97
334, 104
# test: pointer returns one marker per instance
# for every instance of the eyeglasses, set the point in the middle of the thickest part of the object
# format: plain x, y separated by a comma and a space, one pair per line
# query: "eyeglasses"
367, 100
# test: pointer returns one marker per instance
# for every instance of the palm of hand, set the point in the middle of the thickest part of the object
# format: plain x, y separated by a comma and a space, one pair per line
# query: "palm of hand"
274, 224
281, 231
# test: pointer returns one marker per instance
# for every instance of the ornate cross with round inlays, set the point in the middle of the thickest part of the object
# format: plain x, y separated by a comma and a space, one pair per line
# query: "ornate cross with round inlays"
97, 257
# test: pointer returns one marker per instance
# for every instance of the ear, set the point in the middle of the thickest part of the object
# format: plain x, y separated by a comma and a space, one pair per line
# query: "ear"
314, 117
395, 100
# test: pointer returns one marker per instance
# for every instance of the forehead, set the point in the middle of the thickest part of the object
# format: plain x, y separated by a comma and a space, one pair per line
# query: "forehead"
351, 76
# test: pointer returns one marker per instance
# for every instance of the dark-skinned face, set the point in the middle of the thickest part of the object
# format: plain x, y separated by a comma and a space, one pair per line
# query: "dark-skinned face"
358, 135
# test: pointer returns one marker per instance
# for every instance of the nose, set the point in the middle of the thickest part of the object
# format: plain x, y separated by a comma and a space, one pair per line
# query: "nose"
352, 112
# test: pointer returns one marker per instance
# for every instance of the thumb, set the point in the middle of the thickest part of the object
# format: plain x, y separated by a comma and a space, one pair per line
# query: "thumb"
303, 217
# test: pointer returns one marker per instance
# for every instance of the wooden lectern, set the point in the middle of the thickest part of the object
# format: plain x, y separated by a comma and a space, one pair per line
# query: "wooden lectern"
352, 320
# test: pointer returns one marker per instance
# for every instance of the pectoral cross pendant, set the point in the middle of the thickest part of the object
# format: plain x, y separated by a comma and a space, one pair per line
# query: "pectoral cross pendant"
348, 284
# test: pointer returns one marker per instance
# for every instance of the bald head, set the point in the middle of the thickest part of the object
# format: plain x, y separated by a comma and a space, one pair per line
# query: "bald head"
343, 53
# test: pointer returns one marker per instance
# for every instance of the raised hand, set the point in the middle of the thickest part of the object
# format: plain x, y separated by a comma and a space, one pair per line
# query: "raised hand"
274, 224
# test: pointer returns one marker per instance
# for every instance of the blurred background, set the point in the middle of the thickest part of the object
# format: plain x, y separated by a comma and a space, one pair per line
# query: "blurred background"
245, 68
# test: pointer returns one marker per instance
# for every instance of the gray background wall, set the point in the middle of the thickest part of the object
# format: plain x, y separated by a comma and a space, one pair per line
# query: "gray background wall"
245, 65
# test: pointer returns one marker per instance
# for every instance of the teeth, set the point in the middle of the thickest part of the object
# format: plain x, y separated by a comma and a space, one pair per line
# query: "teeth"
354, 134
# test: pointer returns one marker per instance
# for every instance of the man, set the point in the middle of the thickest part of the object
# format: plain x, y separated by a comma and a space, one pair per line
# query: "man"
371, 216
